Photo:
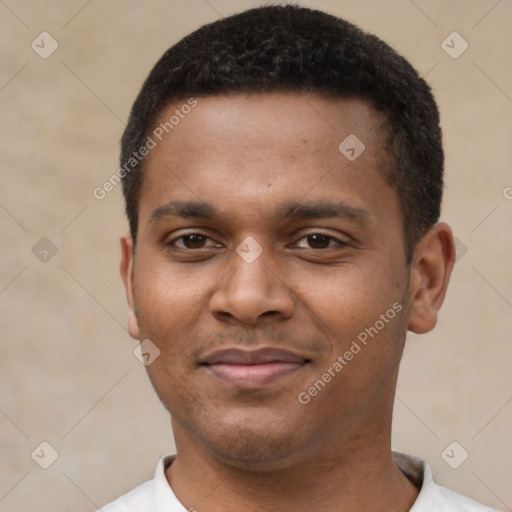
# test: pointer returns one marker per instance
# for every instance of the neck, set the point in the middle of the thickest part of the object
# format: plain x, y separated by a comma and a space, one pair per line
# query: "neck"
362, 477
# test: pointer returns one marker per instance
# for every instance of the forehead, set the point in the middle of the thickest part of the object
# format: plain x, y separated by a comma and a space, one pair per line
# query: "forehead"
270, 119
263, 149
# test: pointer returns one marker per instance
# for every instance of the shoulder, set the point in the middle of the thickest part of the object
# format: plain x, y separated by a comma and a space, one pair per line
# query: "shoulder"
152, 496
433, 497
445, 500
140, 499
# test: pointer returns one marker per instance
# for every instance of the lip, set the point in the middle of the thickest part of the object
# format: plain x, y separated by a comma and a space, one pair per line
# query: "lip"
252, 369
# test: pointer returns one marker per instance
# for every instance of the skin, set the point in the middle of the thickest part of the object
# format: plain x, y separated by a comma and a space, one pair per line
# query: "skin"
248, 156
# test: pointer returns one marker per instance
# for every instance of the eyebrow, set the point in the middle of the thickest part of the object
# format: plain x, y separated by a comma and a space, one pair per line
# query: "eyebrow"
291, 210
322, 210
184, 209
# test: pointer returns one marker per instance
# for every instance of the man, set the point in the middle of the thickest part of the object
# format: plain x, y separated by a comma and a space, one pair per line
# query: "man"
283, 175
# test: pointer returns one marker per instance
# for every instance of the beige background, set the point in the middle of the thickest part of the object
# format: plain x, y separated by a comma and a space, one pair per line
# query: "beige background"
68, 374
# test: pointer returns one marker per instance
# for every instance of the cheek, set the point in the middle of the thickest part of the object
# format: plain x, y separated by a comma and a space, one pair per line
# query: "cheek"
169, 311
348, 299
362, 318
166, 296
168, 304
362, 315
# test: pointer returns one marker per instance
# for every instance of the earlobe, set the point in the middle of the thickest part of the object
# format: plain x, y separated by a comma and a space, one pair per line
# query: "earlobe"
126, 269
431, 268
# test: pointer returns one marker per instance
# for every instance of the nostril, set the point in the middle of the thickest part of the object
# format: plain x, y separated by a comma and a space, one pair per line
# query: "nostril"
270, 313
224, 314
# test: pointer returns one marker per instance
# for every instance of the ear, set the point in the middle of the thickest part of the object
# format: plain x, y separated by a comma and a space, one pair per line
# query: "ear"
126, 269
431, 268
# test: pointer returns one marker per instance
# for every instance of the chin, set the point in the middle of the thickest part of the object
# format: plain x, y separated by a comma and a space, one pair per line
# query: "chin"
254, 456
254, 446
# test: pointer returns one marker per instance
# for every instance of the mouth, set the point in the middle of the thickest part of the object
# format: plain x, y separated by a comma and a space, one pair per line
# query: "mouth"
252, 369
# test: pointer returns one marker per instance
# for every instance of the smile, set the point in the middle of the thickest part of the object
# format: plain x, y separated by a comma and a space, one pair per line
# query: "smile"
252, 370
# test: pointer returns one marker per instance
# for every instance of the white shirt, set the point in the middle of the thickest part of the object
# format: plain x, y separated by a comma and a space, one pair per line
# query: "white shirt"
157, 495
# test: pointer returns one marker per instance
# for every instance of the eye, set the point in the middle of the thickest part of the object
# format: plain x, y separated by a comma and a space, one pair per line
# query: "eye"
318, 241
193, 241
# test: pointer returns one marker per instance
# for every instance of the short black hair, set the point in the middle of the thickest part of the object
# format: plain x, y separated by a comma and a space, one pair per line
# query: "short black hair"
296, 49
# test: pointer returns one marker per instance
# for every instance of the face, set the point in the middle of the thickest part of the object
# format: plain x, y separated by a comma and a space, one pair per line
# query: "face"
264, 257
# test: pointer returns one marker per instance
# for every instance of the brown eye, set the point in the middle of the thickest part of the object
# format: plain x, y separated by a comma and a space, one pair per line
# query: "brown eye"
193, 241
318, 241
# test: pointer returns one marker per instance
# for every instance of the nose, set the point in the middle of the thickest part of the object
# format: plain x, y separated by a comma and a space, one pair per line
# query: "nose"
251, 291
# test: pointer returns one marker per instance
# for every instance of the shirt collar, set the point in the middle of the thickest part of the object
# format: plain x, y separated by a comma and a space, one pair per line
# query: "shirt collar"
415, 469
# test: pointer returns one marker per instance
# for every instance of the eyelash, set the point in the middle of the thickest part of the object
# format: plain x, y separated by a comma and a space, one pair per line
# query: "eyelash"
338, 242
172, 242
